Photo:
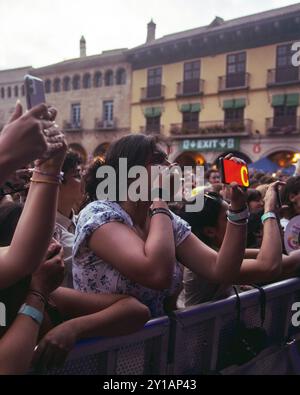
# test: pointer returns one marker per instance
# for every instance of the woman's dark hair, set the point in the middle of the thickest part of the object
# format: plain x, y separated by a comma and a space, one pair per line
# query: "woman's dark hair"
254, 226
136, 148
253, 195
71, 162
10, 214
209, 216
292, 187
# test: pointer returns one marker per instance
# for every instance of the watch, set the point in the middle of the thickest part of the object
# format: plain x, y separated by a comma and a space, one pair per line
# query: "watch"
32, 312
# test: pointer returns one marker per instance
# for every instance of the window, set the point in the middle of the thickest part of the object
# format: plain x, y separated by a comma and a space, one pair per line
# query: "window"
87, 83
191, 77
190, 120
66, 84
108, 112
16, 89
48, 86
153, 124
234, 116
75, 115
98, 79
236, 70
285, 71
109, 78
76, 82
154, 82
121, 77
23, 90
9, 92
2, 93
56, 85
285, 116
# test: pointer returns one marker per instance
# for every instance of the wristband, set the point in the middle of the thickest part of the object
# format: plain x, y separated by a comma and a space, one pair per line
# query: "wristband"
267, 216
233, 216
161, 211
32, 312
237, 223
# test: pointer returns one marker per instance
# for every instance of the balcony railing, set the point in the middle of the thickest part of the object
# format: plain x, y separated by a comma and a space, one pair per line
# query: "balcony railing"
214, 128
283, 126
101, 124
152, 130
283, 76
234, 81
70, 126
153, 92
190, 88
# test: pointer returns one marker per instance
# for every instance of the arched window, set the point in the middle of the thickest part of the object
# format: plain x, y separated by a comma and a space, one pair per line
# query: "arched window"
76, 82
16, 91
23, 90
48, 86
98, 79
56, 85
2, 93
109, 78
121, 77
9, 91
66, 84
87, 81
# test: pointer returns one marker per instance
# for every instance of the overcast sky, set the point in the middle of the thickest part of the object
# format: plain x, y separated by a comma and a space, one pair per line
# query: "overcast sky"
41, 32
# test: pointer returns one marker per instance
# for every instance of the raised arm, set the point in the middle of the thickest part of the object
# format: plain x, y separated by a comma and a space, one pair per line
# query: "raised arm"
224, 266
268, 264
35, 227
149, 263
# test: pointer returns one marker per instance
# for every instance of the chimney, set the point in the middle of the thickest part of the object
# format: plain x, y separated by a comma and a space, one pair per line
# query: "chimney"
151, 32
82, 47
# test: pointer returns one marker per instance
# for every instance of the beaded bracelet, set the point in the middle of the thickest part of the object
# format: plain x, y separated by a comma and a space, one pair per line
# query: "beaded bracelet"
59, 177
237, 223
161, 211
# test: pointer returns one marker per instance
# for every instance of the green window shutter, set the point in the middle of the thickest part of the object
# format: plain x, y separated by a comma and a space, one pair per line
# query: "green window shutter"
278, 100
185, 108
196, 107
148, 112
156, 112
292, 99
240, 103
228, 104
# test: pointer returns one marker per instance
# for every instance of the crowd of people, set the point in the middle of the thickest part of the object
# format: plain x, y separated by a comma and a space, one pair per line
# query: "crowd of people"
74, 267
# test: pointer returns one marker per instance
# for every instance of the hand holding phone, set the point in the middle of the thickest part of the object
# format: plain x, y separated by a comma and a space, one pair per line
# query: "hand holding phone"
232, 171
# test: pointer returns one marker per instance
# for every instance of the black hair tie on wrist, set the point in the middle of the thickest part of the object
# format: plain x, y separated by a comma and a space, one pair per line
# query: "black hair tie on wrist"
161, 211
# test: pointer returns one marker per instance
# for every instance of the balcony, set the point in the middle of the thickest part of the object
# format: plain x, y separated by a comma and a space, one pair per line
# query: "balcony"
213, 129
101, 124
70, 126
283, 76
231, 82
190, 88
153, 130
152, 93
283, 126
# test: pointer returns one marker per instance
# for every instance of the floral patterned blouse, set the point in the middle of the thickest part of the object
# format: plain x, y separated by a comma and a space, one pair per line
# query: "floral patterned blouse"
92, 275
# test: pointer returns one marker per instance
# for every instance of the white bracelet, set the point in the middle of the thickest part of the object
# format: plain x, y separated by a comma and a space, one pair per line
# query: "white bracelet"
237, 223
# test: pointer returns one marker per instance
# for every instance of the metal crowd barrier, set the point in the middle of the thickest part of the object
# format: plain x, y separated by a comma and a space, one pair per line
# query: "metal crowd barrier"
193, 341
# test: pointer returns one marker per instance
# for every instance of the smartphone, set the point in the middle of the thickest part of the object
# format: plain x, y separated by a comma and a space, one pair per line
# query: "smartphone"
279, 201
34, 91
234, 172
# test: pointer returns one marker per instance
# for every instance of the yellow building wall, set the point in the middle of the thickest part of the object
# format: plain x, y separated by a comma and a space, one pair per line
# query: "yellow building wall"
258, 97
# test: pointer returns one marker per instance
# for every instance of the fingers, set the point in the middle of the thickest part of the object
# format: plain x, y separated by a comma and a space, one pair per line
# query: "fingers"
52, 112
17, 113
40, 111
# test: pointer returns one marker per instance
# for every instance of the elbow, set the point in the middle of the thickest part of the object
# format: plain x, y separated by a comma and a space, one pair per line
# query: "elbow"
160, 281
273, 268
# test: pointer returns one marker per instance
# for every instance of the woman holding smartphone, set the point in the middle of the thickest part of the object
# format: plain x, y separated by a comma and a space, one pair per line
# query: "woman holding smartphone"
138, 248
